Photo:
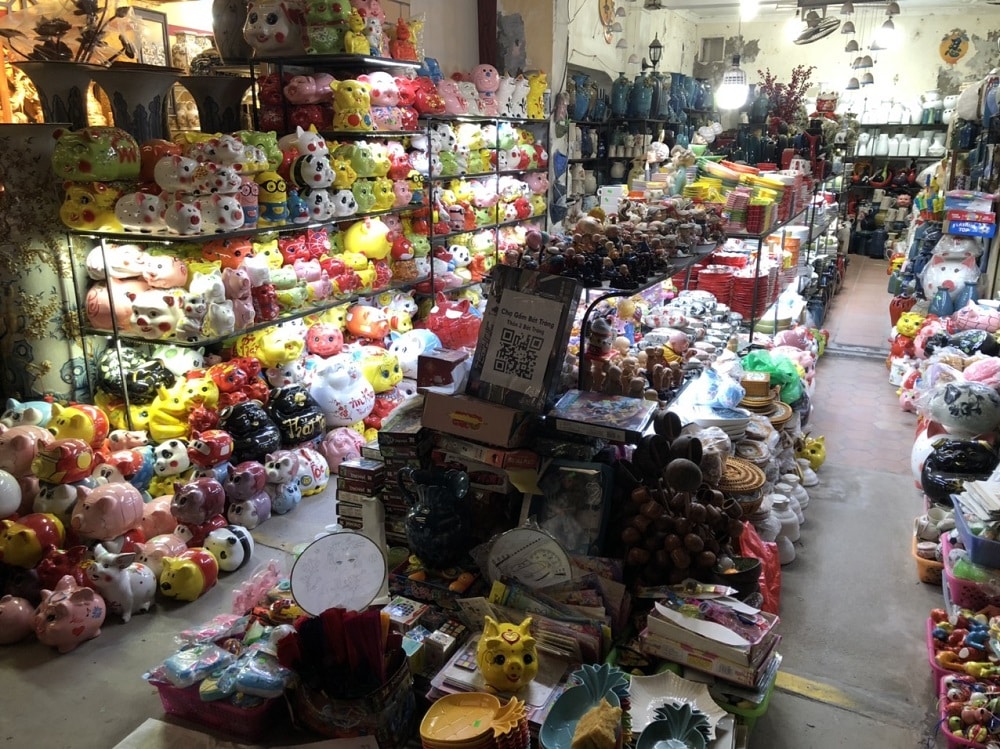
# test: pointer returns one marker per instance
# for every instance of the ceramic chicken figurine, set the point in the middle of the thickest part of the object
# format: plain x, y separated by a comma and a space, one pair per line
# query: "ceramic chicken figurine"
506, 655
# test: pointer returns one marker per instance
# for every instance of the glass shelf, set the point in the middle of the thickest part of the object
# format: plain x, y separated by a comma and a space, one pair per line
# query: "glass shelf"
339, 61
284, 317
333, 134
479, 118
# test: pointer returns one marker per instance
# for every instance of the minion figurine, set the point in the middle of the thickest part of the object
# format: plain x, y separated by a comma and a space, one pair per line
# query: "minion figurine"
272, 199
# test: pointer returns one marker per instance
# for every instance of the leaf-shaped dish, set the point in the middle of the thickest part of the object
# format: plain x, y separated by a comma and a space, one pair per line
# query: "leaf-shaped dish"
601, 679
560, 724
662, 734
667, 688
684, 719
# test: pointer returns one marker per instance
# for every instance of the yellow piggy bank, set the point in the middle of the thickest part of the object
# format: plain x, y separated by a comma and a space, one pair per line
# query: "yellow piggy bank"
506, 655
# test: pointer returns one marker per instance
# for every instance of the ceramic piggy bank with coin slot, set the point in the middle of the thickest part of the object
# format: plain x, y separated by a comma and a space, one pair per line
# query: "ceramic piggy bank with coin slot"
23, 543
506, 655
198, 500
127, 586
81, 420
107, 512
16, 618
152, 552
65, 461
187, 576
95, 154
69, 615
140, 211
231, 546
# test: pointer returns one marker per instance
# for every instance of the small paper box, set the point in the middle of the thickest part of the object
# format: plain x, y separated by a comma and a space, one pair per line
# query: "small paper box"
404, 613
440, 370
970, 228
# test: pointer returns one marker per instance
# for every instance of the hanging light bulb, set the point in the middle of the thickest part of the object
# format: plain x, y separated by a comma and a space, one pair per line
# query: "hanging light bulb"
857, 63
732, 92
867, 79
633, 59
847, 28
852, 46
853, 84
847, 8
889, 25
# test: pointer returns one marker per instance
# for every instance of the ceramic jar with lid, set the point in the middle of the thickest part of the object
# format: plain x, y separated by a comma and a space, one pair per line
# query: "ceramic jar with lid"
792, 480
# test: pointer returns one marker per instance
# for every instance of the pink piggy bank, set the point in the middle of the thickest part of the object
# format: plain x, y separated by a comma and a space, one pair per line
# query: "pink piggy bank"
165, 272
309, 89
107, 512
16, 619
198, 500
187, 576
403, 193
157, 518
385, 92
454, 102
537, 182
341, 444
69, 615
152, 552
121, 291
18, 447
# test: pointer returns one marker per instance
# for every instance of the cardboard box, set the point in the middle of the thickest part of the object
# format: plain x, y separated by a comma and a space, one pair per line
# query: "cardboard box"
348, 510
968, 200
359, 486
441, 370
709, 663
747, 652
362, 470
485, 454
403, 426
483, 421
404, 614
986, 217
481, 476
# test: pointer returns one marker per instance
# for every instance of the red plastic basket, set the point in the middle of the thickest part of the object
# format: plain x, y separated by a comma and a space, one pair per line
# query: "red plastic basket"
939, 671
245, 723
954, 742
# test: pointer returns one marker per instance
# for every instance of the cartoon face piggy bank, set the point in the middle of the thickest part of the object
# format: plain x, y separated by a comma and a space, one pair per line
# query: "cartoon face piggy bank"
16, 619
23, 543
506, 655
367, 322
221, 213
18, 447
296, 414
324, 339
140, 211
171, 458
176, 174
198, 500
231, 546
107, 512
369, 237
270, 28
272, 347
187, 576
69, 615
81, 420
254, 434
127, 586
210, 448
385, 92
949, 272
96, 154
341, 391
156, 549
155, 314
341, 444
91, 206
184, 218
381, 368
812, 449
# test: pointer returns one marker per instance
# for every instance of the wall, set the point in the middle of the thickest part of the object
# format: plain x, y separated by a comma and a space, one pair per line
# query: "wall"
451, 32
902, 75
538, 17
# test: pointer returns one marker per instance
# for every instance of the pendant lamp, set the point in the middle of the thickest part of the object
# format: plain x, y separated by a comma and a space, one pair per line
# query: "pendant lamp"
852, 46
732, 92
853, 84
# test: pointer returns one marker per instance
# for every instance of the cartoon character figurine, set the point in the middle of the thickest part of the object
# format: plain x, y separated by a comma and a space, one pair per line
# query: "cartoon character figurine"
272, 199
506, 655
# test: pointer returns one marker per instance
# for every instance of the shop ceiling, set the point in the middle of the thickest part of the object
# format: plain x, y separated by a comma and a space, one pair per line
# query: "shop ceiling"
729, 10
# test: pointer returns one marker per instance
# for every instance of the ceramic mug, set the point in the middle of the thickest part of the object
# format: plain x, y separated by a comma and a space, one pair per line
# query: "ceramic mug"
943, 518
927, 550
926, 530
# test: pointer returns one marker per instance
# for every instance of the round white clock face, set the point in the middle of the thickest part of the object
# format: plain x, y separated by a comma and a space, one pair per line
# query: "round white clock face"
530, 556
342, 570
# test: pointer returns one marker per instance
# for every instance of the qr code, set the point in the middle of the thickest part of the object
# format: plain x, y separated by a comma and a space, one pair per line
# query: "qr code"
517, 354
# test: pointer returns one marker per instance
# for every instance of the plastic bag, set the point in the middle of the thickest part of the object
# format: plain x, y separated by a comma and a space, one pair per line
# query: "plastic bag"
783, 373
717, 390
751, 545
715, 448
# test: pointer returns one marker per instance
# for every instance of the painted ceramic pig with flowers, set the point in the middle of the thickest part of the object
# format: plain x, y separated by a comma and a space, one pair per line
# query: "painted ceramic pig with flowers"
69, 615
95, 154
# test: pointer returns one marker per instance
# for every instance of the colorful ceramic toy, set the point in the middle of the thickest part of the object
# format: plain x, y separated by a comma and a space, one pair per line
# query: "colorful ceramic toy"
69, 615
126, 585
188, 576
506, 655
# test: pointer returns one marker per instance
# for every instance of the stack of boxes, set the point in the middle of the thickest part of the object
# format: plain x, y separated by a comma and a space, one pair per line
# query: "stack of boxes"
359, 483
402, 443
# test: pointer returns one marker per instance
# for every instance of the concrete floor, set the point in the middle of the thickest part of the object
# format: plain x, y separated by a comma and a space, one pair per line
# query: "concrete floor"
855, 670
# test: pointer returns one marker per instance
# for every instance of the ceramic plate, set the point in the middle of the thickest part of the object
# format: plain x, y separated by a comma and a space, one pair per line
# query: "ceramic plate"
560, 724
459, 717
667, 688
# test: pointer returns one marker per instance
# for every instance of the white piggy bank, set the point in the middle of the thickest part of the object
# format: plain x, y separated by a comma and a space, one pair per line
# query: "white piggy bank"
140, 211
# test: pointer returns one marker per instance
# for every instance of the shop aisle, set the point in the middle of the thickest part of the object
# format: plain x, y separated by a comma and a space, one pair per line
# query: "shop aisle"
855, 670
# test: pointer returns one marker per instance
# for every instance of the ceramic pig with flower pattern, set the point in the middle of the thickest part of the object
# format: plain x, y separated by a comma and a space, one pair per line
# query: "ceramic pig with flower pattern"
506, 655
69, 615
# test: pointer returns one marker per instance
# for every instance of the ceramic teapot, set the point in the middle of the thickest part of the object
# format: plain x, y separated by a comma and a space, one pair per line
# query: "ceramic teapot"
437, 524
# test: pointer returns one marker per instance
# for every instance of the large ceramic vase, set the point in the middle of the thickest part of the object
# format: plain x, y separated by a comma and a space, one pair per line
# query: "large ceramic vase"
138, 95
228, 19
40, 350
219, 100
581, 99
62, 89
619, 95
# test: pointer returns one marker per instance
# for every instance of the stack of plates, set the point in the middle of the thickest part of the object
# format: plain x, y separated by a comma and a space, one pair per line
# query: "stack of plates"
460, 721
742, 300
718, 281
732, 421
758, 403
781, 414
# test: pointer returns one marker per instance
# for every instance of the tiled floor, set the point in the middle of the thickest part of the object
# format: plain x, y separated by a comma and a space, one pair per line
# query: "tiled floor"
855, 672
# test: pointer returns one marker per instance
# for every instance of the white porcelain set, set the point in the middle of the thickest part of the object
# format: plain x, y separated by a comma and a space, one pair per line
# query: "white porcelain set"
928, 143
936, 522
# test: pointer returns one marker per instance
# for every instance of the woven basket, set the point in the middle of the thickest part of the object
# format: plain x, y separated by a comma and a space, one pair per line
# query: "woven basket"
750, 502
741, 477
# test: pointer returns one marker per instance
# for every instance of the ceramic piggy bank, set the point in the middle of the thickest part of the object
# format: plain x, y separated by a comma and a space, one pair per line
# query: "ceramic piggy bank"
16, 619
221, 213
157, 519
273, 28
341, 444
272, 346
126, 585
198, 500
254, 434
82, 421
352, 105
64, 461
367, 322
341, 391
91, 206
453, 324
812, 449
107, 512
69, 615
152, 552
18, 447
10, 495
210, 448
506, 655
324, 339
964, 408
140, 211
231, 546
296, 414
949, 272
23, 543
183, 218
36, 413
176, 174
96, 154
188, 576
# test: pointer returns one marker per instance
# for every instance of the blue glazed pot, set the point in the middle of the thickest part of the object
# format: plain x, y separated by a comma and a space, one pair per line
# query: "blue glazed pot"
620, 90
581, 100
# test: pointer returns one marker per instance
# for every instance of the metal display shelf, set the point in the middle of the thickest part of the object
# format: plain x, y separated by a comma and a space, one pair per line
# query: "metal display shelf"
338, 61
